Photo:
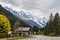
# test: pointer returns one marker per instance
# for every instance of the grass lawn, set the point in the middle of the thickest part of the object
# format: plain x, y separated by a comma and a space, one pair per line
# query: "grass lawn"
18, 37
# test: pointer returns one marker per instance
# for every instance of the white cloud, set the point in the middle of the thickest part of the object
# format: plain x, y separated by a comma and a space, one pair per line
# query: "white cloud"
39, 8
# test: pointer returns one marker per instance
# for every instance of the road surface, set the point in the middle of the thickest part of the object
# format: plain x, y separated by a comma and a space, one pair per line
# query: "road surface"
40, 37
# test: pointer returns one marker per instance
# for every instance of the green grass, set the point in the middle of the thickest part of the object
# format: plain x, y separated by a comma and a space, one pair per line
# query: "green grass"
23, 37
18, 37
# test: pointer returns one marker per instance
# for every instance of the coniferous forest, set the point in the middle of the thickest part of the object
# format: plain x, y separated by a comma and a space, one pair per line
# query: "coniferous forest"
53, 25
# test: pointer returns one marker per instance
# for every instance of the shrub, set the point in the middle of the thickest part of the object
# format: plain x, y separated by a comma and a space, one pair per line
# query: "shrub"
52, 34
40, 32
4, 26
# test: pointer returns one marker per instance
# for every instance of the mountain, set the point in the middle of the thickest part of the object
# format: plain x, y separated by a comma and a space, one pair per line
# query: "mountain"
12, 18
8, 14
27, 18
43, 21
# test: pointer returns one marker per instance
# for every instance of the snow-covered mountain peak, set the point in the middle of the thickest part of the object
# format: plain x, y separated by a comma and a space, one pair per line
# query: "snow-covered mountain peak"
28, 17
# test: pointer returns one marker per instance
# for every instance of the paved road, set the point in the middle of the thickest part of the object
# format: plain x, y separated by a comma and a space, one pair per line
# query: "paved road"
40, 37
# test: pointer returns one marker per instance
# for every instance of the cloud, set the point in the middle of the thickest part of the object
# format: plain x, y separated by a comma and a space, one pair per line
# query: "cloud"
37, 7
36, 4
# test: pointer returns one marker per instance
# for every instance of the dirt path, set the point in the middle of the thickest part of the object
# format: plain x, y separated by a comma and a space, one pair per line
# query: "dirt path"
39, 37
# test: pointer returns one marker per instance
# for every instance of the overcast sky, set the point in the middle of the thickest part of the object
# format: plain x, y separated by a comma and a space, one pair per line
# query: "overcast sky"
39, 8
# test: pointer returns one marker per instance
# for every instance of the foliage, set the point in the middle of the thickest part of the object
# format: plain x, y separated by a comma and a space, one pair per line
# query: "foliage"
12, 18
4, 25
53, 25
40, 32
52, 34
36, 29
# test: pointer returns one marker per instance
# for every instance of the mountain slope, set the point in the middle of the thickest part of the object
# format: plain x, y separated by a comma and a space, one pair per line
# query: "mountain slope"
12, 18
28, 18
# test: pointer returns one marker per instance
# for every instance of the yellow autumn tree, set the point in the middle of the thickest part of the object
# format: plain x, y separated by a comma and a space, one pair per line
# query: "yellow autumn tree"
4, 25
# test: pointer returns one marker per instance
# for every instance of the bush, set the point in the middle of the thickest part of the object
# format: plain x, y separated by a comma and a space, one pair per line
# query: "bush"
52, 34
4, 26
40, 32
3, 35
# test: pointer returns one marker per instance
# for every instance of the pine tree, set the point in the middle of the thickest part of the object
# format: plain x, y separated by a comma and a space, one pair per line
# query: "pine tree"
49, 26
56, 23
51, 23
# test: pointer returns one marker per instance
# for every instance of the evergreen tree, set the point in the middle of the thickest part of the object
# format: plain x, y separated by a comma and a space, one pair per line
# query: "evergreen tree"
51, 22
49, 26
56, 23
53, 25
35, 29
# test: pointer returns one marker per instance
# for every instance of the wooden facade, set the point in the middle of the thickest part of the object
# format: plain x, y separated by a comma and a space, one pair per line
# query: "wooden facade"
23, 31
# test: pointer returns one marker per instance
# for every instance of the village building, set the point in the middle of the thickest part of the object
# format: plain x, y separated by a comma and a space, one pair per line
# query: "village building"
23, 31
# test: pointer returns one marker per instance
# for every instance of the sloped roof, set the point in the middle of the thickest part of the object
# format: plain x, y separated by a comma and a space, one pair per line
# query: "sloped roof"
22, 29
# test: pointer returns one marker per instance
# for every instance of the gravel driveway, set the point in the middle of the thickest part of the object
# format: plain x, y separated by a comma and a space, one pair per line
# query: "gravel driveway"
40, 37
